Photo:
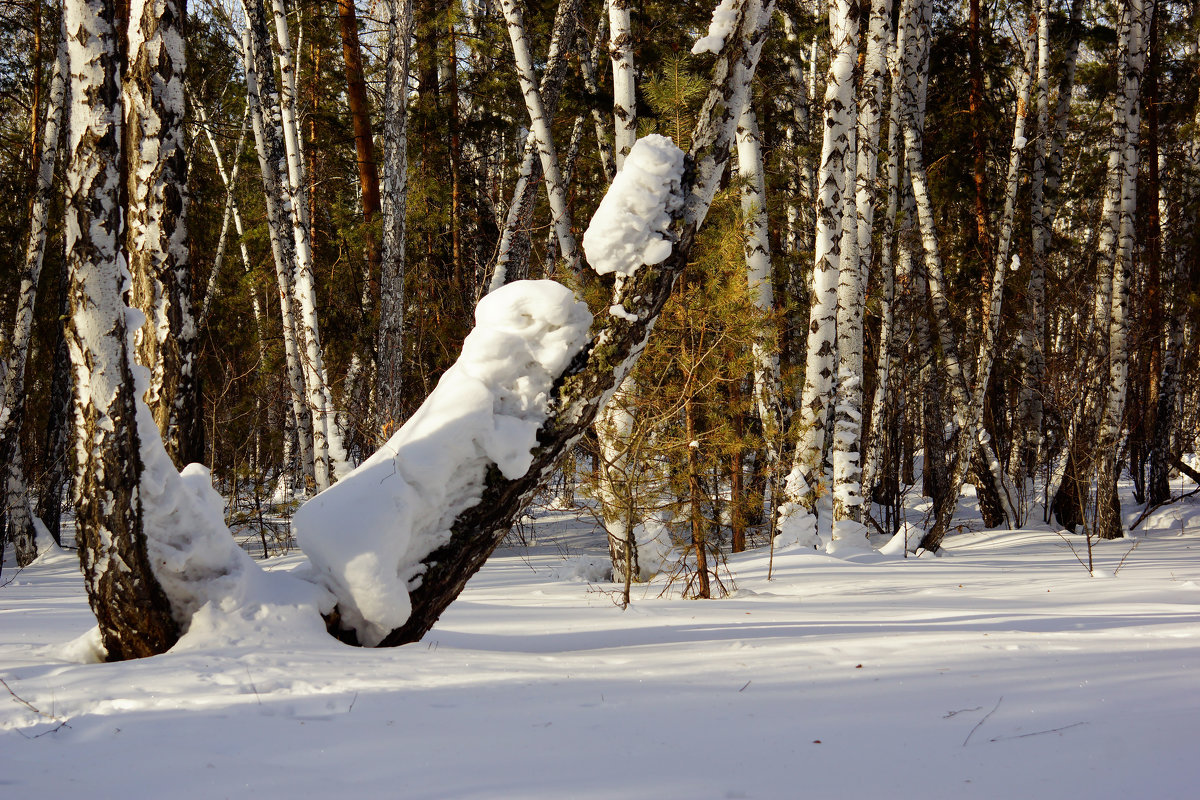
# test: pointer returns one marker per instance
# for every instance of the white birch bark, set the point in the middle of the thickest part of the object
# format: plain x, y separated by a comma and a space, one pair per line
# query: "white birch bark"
796, 133
759, 275
876, 435
846, 446
540, 129
832, 195
149, 555
12, 403
1117, 247
589, 57
263, 105
1028, 416
329, 456
513, 252
394, 198
157, 215
912, 46
231, 214
624, 79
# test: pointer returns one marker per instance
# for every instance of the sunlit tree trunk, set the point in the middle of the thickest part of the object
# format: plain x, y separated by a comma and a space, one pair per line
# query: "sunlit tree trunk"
129, 603
512, 259
540, 126
1117, 252
156, 239
833, 193
328, 455
624, 78
389, 345
263, 102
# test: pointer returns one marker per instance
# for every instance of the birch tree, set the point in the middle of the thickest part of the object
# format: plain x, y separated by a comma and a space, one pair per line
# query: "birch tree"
20, 522
263, 102
328, 454
1117, 251
157, 218
512, 258
540, 129
624, 78
834, 192
389, 347
852, 281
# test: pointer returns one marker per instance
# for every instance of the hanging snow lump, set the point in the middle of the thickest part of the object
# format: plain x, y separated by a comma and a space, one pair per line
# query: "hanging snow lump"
631, 226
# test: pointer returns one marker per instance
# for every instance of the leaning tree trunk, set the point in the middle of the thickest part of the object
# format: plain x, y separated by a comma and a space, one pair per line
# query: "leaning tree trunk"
590, 378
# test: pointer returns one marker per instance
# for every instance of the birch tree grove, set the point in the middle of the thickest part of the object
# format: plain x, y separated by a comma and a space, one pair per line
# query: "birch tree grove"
833, 196
717, 277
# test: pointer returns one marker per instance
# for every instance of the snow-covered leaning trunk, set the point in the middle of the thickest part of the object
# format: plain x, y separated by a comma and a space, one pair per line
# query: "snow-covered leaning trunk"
490, 492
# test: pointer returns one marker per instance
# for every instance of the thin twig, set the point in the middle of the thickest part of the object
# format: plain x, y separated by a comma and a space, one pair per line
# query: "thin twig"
1127, 552
62, 722
1038, 733
1151, 509
985, 719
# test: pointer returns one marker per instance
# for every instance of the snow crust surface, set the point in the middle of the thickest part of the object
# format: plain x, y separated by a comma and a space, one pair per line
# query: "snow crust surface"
1000, 671
366, 535
631, 227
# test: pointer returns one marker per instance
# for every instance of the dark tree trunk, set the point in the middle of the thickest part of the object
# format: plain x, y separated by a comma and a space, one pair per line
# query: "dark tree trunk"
129, 604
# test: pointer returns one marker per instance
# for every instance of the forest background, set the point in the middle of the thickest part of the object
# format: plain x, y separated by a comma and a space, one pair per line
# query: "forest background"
956, 243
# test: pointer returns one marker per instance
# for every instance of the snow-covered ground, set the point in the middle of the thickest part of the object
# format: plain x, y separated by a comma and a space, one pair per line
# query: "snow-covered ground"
1000, 670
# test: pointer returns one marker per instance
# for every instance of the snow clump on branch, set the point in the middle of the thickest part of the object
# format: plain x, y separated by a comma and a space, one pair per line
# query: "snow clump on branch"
632, 225
367, 534
723, 19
